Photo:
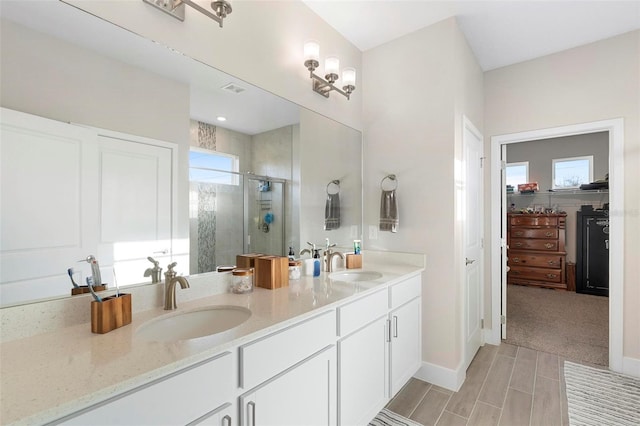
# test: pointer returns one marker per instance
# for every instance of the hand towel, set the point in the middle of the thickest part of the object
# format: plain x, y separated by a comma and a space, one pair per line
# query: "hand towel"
332, 212
389, 211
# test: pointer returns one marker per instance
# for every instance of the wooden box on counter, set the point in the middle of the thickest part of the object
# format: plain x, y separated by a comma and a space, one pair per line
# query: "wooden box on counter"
247, 260
353, 261
85, 289
536, 249
271, 272
113, 312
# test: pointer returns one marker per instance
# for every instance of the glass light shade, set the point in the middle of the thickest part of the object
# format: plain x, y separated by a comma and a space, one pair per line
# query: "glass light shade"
332, 65
311, 50
349, 76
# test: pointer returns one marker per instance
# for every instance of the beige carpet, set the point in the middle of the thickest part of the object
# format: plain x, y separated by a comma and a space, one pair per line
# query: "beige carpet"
569, 324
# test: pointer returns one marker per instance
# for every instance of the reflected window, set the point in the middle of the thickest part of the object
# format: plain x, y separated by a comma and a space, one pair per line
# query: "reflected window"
572, 172
517, 173
213, 167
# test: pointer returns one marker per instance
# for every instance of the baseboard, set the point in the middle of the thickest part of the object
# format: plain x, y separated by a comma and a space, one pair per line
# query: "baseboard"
631, 366
441, 376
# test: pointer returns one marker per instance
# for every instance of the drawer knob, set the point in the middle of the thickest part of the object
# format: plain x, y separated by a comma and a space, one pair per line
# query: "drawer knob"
552, 262
516, 260
548, 245
515, 272
518, 244
549, 234
551, 275
518, 234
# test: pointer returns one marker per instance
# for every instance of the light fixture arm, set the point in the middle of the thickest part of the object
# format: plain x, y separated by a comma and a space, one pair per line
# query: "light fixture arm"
324, 87
175, 8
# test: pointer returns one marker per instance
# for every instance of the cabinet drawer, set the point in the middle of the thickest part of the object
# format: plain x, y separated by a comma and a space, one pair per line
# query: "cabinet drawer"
551, 275
534, 221
540, 233
545, 245
401, 293
542, 261
207, 385
360, 312
265, 357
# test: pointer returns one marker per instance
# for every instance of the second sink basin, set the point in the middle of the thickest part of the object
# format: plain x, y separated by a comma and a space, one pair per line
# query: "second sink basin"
193, 324
350, 276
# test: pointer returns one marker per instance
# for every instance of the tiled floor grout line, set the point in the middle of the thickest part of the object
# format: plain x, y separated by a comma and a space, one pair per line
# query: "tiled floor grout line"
508, 386
533, 391
420, 402
484, 382
444, 409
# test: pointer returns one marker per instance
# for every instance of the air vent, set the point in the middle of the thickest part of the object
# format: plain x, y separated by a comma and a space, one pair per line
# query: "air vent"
234, 88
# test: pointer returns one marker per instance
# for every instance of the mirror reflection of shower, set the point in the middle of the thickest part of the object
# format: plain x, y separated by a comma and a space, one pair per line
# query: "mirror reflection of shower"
224, 205
264, 203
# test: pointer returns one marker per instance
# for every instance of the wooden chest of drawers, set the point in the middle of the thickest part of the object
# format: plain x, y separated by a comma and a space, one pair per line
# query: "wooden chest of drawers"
536, 249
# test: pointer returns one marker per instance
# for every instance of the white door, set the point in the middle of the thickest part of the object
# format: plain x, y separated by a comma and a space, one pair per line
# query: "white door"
472, 188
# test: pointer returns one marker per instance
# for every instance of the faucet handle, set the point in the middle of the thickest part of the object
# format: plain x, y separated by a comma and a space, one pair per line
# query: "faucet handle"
171, 266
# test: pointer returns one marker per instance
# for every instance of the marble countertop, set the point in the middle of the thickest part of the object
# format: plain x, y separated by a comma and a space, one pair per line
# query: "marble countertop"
49, 375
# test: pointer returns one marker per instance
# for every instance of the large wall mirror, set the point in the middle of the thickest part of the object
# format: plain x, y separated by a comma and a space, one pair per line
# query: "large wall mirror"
258, 181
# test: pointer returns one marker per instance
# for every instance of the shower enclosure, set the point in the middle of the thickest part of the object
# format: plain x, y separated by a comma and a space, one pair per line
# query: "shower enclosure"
232, 213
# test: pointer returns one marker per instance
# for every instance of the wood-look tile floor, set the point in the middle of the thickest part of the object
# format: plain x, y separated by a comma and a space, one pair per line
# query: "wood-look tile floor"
506, 385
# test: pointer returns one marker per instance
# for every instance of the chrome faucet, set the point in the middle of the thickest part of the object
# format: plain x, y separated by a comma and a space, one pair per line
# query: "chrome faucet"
170, 280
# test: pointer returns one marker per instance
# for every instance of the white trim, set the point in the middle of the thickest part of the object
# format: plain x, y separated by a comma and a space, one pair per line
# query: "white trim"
615, 127
441, 376
631, 366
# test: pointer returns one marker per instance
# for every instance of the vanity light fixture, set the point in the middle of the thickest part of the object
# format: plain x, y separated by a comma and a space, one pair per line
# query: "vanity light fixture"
325, 85
175, 8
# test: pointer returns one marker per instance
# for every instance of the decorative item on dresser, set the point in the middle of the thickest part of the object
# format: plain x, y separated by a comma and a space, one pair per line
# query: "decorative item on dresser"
536, 249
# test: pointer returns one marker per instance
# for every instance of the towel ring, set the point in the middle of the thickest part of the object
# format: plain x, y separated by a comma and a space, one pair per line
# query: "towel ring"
336, 183
392, 178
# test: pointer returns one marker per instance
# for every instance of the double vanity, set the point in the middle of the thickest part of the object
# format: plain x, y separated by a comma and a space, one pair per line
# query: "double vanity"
327, 350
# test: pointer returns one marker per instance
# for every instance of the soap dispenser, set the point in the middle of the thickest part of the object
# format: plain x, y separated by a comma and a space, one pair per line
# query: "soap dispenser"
316, 262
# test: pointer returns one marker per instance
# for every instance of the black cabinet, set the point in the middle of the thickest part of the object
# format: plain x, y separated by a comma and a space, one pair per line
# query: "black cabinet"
592, 251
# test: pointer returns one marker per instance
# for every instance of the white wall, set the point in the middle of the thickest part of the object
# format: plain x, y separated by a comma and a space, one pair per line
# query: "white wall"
593, 82
416, 89
261, 43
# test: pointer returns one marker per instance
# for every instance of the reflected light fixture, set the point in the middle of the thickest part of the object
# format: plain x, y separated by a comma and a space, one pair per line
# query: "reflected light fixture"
175, 8
326, 85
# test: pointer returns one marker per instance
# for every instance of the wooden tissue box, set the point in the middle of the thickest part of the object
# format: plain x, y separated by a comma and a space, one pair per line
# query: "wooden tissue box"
85, 289
354, 261
271, 272
247, 260
113, 312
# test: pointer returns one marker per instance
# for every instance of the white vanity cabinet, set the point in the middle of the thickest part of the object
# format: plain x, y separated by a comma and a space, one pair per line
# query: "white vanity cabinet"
181, 398
302, 395
290, 375
362, 358
226, 415
379, 349
405, 332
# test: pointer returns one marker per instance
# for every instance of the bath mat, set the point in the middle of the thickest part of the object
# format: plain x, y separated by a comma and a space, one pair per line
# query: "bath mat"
389, 418
601, 397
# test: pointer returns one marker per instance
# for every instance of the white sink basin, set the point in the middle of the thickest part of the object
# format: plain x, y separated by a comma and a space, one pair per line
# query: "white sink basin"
193, 324
351, 276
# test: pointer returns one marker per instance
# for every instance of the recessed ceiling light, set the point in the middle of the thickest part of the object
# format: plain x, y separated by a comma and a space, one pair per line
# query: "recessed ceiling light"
221, 118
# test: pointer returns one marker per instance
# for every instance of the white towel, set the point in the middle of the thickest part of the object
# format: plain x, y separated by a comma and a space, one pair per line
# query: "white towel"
389, 211
332, 212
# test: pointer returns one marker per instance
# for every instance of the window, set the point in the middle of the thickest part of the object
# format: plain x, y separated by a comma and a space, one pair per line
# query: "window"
572, 172
212, 167
517, 173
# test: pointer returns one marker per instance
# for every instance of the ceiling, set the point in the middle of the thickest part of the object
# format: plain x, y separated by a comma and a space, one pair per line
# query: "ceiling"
500, 33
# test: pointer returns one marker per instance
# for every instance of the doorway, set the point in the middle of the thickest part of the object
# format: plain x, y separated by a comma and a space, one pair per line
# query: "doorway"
615, 130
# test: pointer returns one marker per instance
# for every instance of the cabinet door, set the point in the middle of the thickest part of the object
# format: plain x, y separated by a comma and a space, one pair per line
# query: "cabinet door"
223, 416
362, 372
405, 344
302, 395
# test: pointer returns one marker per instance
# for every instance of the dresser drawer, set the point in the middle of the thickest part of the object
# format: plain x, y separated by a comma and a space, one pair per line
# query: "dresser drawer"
533, 220
544, 245
540, 233
550, 275
541, 261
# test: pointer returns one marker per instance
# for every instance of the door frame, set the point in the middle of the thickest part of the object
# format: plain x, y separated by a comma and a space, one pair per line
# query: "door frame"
615, 127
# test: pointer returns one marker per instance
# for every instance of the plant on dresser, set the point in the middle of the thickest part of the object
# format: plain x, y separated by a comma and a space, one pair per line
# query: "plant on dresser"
536, 249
